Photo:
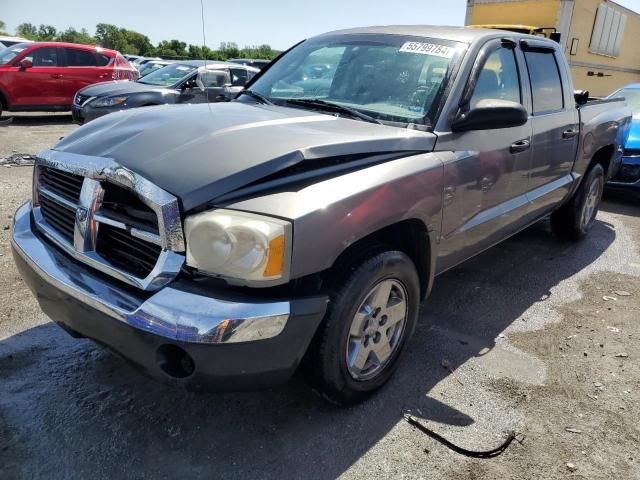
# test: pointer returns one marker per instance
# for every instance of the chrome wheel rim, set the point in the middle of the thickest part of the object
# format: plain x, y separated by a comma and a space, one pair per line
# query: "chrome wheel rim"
591, 202
376, 329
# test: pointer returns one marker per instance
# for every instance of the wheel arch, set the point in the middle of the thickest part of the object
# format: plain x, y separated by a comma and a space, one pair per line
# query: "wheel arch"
410, 236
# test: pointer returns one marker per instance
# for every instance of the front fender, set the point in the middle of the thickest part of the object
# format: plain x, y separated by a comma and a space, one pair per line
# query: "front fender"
330, 215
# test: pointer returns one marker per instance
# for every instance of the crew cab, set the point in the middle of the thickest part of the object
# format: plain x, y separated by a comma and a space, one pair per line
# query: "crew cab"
45, 76
301, 225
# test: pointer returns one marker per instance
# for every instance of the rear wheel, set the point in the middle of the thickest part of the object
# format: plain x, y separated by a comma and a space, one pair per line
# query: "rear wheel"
369, 319
574, 219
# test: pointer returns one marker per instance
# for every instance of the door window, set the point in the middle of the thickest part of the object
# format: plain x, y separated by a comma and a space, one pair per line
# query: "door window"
498, 78
80, 58
239, 77
44, 57
546, 85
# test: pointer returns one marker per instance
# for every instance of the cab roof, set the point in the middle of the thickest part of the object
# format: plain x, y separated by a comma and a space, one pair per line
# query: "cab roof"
458, 34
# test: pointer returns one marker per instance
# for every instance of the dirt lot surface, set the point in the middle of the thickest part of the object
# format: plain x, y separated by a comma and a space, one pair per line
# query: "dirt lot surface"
541, 338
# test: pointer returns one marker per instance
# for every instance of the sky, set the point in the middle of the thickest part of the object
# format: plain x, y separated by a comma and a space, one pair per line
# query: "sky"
279, 23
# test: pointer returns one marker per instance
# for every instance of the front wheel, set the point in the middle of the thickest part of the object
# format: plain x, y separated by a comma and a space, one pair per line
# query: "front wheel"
573, 220
369, 319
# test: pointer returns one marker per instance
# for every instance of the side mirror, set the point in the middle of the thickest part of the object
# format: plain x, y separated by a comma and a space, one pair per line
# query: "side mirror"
581, 96
24, 64
490, 114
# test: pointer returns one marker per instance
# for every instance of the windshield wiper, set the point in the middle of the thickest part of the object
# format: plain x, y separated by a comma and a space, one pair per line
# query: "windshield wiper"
336, 107
261, 98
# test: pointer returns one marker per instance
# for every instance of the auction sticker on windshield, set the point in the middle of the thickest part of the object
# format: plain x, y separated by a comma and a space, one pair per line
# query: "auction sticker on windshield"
428, 49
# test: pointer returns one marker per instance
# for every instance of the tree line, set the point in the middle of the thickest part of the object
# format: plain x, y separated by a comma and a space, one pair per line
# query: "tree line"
135, 43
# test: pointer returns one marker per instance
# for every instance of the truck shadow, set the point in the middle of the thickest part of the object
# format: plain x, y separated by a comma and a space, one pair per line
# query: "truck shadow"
73, 408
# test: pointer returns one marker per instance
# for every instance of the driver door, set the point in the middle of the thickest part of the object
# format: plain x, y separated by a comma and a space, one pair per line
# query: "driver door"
41, 84
208, 86
486, 182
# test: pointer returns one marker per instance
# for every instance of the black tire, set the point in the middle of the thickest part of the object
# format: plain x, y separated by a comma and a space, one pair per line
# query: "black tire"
572, 221
326, 364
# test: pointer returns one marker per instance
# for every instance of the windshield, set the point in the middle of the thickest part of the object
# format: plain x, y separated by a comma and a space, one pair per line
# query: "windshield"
10, 53
632, 95
168, 75
388, 77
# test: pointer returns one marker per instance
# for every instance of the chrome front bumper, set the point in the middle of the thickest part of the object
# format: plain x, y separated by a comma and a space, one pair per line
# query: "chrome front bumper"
171, 313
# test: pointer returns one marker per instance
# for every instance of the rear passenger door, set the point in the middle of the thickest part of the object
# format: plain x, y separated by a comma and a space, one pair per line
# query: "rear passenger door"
555, 124
41, 84
81, 69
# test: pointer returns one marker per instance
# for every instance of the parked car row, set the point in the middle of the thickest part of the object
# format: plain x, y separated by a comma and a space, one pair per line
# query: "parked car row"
194, 81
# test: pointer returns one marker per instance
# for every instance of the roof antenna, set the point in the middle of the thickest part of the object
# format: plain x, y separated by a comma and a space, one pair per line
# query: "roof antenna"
204, 54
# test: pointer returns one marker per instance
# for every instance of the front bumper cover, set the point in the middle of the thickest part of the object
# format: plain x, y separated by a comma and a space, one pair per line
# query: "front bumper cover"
235, 342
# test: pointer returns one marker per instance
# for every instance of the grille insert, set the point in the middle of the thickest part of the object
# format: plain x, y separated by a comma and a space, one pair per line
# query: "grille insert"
126, 252
59, 217
65, 184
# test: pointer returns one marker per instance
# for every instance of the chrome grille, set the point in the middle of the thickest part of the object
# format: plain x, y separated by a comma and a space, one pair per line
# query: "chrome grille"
109, 218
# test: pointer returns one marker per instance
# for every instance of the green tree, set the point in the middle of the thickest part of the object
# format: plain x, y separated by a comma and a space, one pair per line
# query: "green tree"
47, 33
172, 48
27, 30
3, 27
229, 50
72, 35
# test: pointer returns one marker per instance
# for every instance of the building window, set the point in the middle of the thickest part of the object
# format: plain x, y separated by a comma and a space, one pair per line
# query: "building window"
608, 31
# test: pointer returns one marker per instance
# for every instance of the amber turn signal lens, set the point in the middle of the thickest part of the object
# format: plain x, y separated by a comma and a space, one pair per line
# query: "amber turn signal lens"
275, 260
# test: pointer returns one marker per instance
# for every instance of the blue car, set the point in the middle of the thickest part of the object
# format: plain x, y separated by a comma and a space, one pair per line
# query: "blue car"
628, 176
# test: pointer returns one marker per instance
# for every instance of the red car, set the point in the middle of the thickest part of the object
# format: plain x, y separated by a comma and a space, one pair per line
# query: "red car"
45, 76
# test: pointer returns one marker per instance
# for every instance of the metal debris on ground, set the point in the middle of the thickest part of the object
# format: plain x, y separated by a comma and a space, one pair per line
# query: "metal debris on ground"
622, 355
607, 298
463, 451
445, 364
573, 430
18, 160
571, 467
622, 293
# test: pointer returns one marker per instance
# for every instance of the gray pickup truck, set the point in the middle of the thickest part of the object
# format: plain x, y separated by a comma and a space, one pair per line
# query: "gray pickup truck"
301, 225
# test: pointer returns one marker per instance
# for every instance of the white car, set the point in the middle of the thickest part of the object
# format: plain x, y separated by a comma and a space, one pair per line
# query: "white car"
10, 41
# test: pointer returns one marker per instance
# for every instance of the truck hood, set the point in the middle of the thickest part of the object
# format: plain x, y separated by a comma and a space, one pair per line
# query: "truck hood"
199, 152
118, 87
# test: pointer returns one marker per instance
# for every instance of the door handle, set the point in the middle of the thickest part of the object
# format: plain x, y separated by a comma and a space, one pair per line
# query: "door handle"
520, 146
56, 75
570, 133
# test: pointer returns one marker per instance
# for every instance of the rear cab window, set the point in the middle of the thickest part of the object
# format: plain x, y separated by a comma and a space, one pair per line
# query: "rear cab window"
545, 79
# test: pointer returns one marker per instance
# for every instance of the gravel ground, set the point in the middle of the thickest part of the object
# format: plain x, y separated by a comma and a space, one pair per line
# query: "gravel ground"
531, 343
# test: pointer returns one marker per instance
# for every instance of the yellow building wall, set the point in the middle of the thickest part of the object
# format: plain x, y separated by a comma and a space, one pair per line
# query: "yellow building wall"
584, 12
541, 13
547, 13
